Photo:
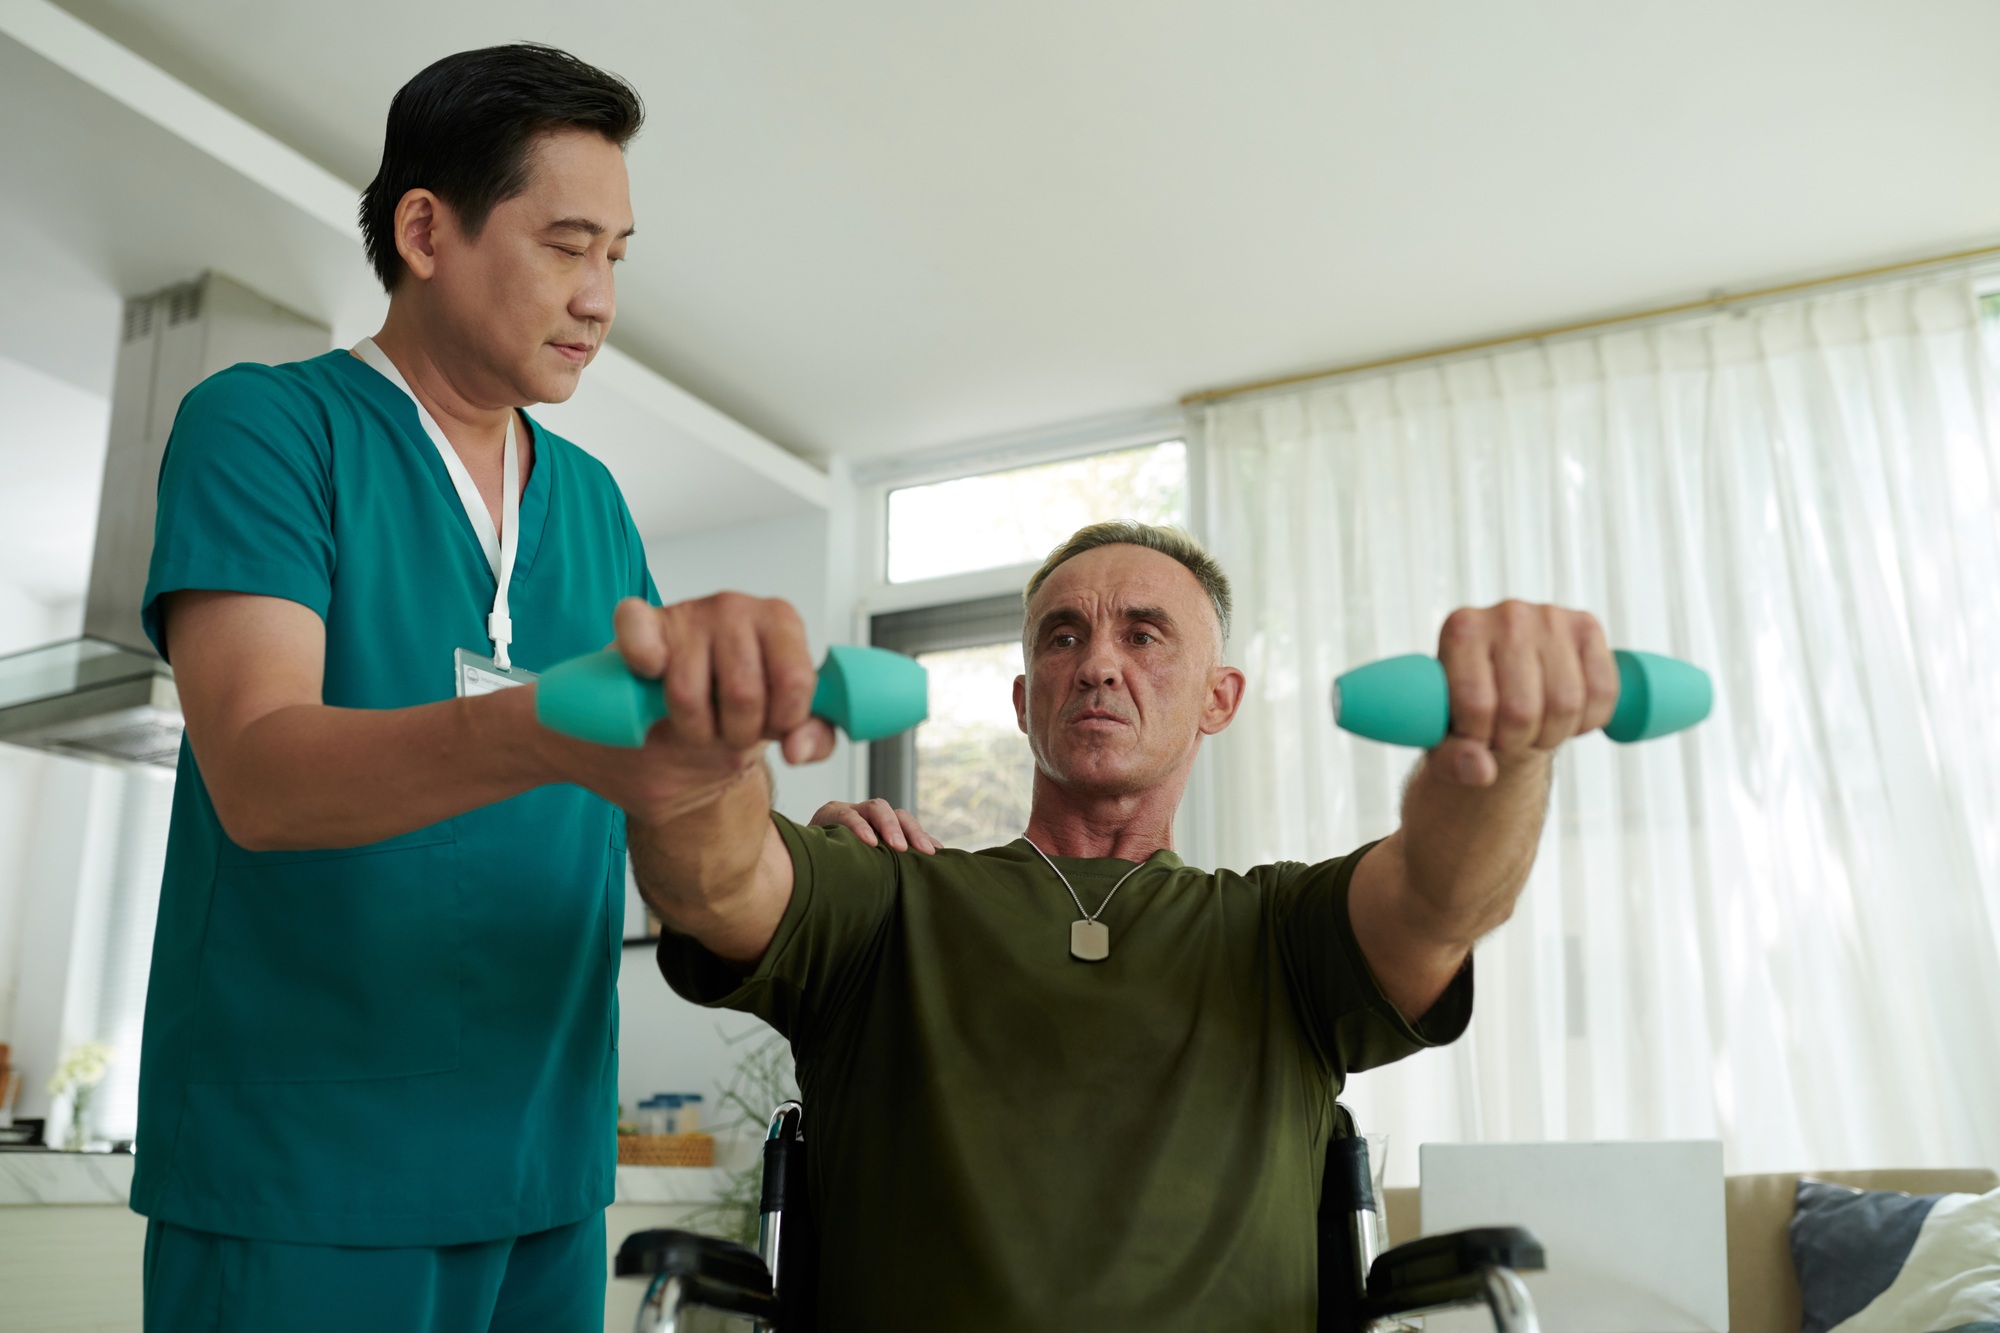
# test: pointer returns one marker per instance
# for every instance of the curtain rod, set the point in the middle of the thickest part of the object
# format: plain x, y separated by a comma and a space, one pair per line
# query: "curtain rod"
1716, 302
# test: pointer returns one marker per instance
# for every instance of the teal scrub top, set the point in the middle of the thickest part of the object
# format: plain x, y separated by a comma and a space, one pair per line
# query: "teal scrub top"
413, 1042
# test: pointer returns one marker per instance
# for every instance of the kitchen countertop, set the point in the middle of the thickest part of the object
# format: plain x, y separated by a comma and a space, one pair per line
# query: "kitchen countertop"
27, 1176
31, 1177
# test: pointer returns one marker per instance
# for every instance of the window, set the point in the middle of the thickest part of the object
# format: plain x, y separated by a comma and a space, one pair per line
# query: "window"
1989, 322
974, 776
965, 773
130, 897
94, 857
1016, 516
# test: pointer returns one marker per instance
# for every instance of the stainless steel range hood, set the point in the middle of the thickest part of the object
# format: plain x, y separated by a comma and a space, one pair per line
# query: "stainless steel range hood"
107, 695
92, 699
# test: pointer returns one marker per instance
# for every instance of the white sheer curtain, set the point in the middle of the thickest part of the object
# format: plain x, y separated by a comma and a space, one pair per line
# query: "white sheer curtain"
1783, 928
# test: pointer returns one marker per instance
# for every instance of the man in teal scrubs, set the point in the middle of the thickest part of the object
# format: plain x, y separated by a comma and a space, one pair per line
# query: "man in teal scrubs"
380, 1068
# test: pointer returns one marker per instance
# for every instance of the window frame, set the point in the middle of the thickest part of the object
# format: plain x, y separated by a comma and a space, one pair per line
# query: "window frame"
873, 485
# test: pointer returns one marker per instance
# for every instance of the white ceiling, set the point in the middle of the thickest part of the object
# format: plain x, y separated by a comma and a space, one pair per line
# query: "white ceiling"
873, 227
51, 456
98, 203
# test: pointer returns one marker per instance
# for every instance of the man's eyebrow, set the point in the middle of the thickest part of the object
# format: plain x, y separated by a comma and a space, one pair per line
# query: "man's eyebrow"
1062, 615
586, 226
1157, 614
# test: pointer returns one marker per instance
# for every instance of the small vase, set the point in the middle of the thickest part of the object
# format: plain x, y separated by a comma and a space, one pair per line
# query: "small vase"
77, 1137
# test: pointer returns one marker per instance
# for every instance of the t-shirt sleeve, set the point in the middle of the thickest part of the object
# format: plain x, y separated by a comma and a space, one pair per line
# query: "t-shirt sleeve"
1333, 991
246, 496
843, 899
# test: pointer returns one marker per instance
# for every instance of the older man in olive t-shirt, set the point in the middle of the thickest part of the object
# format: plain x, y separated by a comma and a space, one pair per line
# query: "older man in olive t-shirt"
1070, 1082
1009, 1138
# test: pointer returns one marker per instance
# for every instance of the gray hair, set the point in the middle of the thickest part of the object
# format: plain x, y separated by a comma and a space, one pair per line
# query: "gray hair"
1175, 543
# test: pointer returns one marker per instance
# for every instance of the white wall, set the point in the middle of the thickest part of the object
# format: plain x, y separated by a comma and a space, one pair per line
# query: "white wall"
71, 838
49, 848
20, 798
52, 438
28, 621
667, 1044
51, 459
24, 622
40, 806
786, 558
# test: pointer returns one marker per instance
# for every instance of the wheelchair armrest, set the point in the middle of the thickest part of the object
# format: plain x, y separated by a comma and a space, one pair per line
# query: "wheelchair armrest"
716, 1273
1444, 1269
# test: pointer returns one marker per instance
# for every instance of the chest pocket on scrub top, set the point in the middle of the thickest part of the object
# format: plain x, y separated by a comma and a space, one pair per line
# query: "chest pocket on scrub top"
332, 965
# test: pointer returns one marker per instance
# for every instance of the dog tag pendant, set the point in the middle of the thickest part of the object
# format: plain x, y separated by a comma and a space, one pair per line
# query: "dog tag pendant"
1089, 941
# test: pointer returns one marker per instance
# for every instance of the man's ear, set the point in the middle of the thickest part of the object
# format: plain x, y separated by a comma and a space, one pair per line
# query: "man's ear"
419, 215
1225, 695
1021, 703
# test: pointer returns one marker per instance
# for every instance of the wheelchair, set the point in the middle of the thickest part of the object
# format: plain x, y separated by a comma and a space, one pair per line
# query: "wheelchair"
772, 1285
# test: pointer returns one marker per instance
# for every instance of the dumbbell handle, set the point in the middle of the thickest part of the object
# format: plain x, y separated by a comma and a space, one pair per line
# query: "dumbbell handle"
1407, 701
869, 693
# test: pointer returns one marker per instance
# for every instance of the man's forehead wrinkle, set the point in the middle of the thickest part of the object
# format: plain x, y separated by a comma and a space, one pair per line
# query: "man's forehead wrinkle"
1120, 602
1158, 614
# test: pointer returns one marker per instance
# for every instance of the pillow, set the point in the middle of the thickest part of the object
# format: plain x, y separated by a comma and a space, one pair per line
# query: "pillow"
1874, 1261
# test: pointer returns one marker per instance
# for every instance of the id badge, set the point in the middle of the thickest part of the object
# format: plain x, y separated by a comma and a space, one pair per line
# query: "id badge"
476, 674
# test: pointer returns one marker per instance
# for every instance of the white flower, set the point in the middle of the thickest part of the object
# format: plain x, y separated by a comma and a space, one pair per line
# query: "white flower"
83, 1067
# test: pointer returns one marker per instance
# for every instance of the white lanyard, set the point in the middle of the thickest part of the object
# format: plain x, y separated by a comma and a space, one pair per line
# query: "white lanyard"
499, 547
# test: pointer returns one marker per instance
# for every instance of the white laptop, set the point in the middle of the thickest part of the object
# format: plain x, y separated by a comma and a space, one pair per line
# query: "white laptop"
1634, 1232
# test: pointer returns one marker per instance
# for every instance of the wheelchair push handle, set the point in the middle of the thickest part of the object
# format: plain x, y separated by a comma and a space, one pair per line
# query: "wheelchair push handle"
870, 693
1406, 700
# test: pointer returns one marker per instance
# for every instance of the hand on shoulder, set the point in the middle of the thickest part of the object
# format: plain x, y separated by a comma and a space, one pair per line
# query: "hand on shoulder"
878, 824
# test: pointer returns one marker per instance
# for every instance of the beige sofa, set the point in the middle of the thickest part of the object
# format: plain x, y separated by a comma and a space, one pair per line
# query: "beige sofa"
1763, 1290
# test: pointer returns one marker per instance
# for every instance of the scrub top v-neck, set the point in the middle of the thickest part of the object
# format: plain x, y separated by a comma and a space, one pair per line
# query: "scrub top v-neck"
411, 1042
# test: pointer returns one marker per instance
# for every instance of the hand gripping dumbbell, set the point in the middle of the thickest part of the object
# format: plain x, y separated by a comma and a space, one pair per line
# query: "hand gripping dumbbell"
869, 693
1406, 700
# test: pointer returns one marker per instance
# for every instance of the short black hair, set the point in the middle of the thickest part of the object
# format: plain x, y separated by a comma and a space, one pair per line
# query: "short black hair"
463, 129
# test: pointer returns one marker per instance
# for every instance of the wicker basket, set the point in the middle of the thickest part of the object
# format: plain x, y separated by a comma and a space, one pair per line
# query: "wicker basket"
666, 1150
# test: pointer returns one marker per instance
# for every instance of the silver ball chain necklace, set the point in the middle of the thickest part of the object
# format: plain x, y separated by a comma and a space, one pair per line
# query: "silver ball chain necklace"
1089, 939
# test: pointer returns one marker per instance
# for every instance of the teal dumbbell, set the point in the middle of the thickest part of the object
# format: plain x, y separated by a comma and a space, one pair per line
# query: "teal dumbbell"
1406, 701
869, 693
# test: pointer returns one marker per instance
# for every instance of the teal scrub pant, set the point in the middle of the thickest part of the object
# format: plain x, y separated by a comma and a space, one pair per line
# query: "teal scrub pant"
548, 1282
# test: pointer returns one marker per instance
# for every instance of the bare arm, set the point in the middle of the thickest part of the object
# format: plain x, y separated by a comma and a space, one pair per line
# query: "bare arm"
1451, 874
737, 676
286, 770
1523, 680
720, 873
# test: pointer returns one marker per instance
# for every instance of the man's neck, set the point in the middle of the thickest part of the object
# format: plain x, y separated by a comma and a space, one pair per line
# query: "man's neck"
447, 392
1129, 827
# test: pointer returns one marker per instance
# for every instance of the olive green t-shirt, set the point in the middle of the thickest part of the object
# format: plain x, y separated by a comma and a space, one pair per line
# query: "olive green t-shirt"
1004, 1138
